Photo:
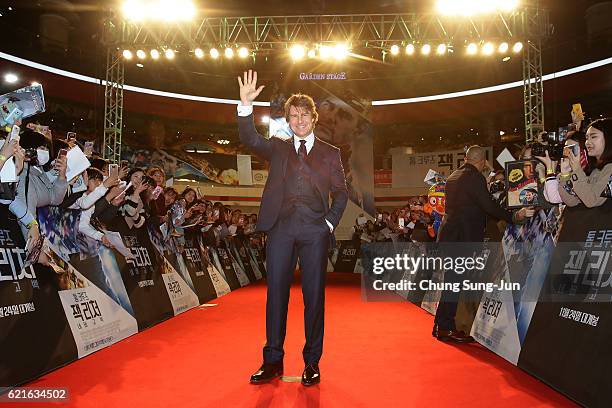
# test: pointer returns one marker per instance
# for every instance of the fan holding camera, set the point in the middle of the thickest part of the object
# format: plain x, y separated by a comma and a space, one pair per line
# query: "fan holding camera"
584, 163
42, 181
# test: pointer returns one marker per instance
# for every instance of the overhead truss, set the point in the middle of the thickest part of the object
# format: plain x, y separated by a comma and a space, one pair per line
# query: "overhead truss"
262, 35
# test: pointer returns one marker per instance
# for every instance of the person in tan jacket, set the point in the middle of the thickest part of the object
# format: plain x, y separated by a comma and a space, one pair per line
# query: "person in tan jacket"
575, 185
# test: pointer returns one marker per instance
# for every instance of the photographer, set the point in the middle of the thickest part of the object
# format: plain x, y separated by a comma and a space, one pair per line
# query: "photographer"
587, 186
551, 186
41, 183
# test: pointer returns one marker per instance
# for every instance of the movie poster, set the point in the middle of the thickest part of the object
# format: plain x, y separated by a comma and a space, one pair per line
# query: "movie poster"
522, 183
95, 319
504, 316
567, 342
34, 334
142, 278
217, 278
181, 295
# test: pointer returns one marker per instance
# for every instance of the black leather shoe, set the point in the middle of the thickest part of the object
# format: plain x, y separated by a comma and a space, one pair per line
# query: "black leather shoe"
311, 375
453, 336
267, 373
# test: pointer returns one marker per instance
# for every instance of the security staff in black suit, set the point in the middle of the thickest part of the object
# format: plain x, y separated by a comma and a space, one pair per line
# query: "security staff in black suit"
296, 214
468, 202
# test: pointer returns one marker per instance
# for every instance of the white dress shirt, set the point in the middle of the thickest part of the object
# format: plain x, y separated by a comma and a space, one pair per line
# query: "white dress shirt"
310, 139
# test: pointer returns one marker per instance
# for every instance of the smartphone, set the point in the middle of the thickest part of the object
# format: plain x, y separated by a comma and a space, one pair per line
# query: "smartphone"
88, 148
574, 148
401, 222
62, 153
577, 109
71, 136
113, 170
126, 189
379, 217
14, 133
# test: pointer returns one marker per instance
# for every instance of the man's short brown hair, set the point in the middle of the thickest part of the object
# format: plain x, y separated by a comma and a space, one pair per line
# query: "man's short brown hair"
304, 102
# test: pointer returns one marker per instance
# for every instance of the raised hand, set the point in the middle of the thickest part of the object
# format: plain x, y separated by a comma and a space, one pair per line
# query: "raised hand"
248, 87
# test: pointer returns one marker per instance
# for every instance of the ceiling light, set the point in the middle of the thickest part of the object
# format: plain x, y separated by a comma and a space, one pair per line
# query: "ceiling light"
441, 50
297, 52
243, 52
341, 51
395, 49
199, 53
426, 49
517, 47
229, 53
127, 54
141, 54
214, 53
154, 54
503, 47
488, 48
169, 53
11, 78
325, 51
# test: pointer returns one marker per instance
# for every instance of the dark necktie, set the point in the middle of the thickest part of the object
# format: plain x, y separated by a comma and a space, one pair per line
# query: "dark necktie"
302, 150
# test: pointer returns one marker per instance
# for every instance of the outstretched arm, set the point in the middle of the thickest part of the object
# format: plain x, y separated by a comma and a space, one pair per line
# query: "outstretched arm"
246, 126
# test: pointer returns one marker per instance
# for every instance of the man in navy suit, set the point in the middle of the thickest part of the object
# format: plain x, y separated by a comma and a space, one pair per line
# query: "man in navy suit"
296, 214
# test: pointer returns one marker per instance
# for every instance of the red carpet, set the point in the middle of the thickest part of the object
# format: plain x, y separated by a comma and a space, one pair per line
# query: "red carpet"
375, 355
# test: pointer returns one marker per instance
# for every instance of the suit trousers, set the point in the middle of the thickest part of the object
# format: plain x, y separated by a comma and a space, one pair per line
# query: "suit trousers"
296, 236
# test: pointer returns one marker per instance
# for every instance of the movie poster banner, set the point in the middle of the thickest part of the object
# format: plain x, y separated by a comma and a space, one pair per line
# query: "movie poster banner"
572, 322
197, 268
34, 333
217, 278
216, 167
410, 169
345, 256
181, 295
96, 320
142, 278
503, 316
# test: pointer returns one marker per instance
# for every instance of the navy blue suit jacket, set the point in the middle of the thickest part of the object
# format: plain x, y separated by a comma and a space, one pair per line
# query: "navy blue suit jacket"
324, 159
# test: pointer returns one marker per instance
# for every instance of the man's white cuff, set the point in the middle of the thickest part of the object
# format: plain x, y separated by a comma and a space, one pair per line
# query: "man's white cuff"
329, 224
245, 110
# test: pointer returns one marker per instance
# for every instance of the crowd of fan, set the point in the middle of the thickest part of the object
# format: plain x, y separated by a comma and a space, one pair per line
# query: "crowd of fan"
110, 198
585, 178
138, 197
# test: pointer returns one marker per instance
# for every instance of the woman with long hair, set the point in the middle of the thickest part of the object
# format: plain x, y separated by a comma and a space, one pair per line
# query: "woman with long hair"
587, 186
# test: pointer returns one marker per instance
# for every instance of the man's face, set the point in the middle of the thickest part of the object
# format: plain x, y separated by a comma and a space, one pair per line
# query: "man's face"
301, 121
528, 170
529, 196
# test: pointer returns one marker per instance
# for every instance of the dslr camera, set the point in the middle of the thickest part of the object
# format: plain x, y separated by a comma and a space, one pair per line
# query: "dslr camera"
498, 186
554, 144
